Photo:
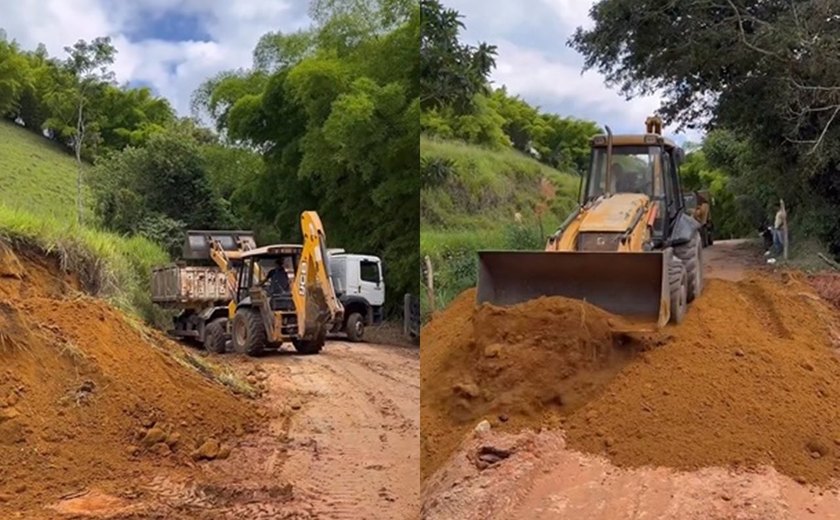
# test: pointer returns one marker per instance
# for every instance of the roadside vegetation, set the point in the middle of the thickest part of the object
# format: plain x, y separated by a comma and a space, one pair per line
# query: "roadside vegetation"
111, 177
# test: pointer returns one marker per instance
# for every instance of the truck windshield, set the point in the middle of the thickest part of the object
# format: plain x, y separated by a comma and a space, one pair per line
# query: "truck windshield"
635, 169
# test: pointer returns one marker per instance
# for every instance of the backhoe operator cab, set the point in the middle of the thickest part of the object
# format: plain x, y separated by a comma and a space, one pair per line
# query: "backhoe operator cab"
631, 196
284, 293
645, 165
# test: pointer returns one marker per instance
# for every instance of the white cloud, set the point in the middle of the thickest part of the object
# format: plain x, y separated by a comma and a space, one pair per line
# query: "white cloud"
173, 68
534, 62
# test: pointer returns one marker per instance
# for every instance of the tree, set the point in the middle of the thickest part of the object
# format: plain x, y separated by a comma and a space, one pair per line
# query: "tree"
451, 73
71, 101
15, 76
768, 70
157, 190
334, 112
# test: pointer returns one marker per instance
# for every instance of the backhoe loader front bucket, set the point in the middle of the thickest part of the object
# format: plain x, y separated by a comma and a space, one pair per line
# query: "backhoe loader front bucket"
632, 285
197, 243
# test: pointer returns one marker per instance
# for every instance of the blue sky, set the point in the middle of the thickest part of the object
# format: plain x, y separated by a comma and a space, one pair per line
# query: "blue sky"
535, 62
169, 45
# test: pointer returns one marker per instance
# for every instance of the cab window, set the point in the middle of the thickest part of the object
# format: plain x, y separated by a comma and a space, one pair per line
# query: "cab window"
369, 271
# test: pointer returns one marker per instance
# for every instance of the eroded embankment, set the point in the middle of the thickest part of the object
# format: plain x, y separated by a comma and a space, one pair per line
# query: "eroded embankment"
749, 378
88, 398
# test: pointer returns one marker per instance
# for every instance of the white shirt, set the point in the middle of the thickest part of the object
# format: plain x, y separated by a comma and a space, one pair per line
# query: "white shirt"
780, 219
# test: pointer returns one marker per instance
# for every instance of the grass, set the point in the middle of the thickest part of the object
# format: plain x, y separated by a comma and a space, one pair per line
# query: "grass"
487, 186
38, 208
473, 208
36, 174
111, 266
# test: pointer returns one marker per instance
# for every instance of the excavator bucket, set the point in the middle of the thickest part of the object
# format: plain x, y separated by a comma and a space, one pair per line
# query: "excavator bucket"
632, 285
197, 243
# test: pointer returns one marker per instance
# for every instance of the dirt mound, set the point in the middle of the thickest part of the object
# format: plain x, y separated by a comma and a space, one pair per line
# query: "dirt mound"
521, 366
827, 285
749, 378
88, 397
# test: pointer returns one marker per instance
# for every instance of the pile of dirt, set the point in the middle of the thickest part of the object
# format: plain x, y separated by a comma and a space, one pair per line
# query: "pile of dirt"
750, 378
87, 397
827, 285
521, 366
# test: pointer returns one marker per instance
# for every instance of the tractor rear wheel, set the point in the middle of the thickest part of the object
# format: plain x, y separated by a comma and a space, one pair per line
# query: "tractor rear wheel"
248, 332
214, 336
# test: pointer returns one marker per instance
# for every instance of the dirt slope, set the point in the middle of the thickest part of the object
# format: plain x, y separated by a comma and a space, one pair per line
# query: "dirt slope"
748, 379
87, 398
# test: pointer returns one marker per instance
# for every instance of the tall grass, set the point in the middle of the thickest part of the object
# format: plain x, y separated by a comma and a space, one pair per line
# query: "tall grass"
111, 266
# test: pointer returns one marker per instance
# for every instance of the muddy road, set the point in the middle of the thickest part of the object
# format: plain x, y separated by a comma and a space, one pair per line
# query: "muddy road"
340, 440
754, 328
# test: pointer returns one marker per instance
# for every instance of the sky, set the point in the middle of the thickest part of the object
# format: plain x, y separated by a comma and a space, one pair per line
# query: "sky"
174, 45
534, 61
171, 46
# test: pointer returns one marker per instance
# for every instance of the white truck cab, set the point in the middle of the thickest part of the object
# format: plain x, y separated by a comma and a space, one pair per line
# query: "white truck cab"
360, 286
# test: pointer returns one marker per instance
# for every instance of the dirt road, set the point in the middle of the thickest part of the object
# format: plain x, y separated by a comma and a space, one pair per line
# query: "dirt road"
535, 475
341, 442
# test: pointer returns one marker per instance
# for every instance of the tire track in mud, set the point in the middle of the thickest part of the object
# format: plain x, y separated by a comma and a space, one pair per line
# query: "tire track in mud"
360, 409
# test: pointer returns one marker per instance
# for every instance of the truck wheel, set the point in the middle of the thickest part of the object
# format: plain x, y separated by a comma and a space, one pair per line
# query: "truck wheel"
309, 346
355, 327
677, 282
214, 336
691, 255
248, 332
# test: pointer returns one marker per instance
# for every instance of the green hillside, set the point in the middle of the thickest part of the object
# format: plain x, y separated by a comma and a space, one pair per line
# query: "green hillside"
38, 207
36, 175
470, 200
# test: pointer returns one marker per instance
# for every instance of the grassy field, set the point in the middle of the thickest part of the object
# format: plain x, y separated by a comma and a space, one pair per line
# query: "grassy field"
473, 207
36, 175
38, 207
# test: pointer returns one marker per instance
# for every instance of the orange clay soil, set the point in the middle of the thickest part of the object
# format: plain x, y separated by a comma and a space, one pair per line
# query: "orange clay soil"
749, 378
88, 399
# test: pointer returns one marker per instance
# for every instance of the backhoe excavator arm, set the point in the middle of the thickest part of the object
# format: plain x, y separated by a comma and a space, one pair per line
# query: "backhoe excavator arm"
317, 305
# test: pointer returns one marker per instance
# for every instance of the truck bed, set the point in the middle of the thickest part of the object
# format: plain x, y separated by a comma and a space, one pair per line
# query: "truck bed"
180, 286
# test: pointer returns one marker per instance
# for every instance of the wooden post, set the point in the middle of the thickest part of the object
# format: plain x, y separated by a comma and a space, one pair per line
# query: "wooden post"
784, 230
430, 283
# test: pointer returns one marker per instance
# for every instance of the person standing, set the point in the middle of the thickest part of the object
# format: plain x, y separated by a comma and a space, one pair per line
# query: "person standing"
779, 224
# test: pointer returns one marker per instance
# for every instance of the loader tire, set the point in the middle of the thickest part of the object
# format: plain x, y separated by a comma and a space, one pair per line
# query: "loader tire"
677, 280
355, 327
214, 336
691, 255
309, 346
248, 332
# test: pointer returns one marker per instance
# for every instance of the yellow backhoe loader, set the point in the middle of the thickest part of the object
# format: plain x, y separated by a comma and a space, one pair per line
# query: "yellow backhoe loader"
295, 300
236, 300
629, 248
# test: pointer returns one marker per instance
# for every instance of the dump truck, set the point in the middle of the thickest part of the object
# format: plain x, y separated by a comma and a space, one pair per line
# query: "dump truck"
360, 285
629, 247
198, 288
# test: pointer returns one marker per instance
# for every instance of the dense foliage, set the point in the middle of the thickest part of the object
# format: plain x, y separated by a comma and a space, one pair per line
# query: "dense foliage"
335, 112
459, 103
767, 72
46, 96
